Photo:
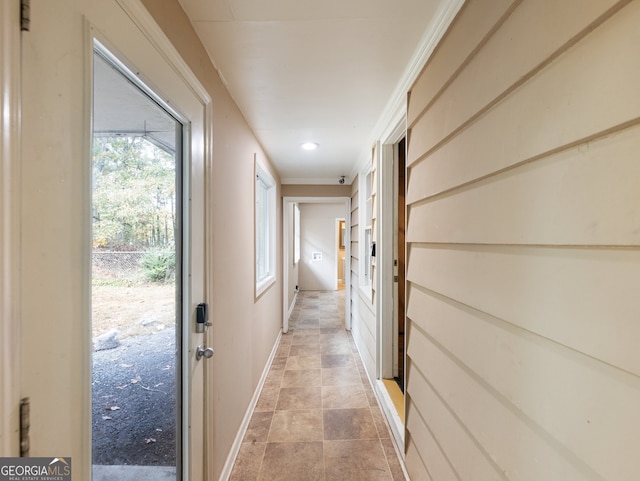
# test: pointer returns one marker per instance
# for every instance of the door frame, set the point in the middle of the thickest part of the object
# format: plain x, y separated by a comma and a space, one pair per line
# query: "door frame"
287, 252
182, 239
68, 29
187, 100
10, 78
386, 302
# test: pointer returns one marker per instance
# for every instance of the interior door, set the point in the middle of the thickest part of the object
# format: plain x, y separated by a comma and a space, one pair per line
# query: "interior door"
56, 234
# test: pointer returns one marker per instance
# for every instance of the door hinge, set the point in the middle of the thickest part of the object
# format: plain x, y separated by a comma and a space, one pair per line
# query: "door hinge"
25, 15
25, 422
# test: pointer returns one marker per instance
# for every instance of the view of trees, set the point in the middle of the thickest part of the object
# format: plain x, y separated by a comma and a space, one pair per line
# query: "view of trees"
134, 194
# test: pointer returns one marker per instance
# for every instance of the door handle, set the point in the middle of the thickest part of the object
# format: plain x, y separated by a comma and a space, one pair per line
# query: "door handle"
205, 352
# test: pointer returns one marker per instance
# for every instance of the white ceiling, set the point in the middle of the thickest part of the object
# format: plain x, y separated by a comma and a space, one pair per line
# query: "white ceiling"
313, 70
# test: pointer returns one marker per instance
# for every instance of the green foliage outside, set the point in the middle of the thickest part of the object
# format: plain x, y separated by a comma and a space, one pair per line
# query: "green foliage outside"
159, 265
134, 207
133, 194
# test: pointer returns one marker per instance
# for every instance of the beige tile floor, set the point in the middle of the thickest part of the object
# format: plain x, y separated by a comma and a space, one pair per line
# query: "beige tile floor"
317, 417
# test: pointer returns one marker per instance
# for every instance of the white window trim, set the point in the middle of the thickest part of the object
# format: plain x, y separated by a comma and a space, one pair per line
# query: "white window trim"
296, 233
365, 282
269, 279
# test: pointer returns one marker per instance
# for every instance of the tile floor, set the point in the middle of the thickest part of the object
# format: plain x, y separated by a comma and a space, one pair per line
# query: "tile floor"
317, 417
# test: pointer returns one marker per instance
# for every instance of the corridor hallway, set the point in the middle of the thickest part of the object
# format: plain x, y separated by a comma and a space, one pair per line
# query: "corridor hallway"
317, 417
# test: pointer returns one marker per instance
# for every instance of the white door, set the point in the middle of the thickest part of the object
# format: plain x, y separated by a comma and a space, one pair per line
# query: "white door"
56, 235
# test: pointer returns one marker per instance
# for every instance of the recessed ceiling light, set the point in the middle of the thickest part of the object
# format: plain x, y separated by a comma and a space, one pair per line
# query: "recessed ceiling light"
309, 146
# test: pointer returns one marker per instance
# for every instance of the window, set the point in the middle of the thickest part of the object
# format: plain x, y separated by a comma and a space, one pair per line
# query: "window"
296, 234
366, 213
265, 227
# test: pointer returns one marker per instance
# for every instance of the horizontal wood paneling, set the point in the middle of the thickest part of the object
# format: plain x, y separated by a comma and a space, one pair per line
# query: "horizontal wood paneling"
584, 196
531, 372
577, 297
517, 446
467, 32
453, 448
515, 51
420, 434
558, 113
355, 199
355, 221
524, 245
364, 332
362, 316
414, 463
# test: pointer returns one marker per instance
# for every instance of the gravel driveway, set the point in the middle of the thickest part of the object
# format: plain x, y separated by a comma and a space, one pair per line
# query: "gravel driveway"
134, 402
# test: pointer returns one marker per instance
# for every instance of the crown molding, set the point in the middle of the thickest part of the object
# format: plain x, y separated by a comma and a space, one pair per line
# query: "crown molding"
396, 107
315, 181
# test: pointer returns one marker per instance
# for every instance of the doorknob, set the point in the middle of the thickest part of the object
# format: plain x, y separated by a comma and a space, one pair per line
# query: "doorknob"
205, 352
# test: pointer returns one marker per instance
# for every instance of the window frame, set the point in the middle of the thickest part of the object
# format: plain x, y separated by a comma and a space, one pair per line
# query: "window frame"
296, 233
264, 184
365, 209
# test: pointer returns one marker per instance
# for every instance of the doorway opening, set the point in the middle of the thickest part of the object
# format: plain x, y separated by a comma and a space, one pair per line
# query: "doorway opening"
400, 252
294, 251
136, 289
394, 281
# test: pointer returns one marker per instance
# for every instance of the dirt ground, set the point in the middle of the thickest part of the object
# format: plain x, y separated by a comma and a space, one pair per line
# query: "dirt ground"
134, 385
133, 310
134, 402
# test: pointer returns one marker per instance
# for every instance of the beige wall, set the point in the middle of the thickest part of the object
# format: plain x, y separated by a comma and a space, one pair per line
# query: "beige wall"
244, 331
524, 246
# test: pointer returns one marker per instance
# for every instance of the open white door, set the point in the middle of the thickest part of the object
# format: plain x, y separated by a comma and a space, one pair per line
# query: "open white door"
57, 237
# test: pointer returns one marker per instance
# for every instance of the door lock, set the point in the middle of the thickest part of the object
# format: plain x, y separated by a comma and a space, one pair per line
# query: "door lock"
202, 318
205, 352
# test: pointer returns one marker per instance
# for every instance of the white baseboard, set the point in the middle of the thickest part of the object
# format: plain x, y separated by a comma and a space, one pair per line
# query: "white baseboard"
237, 443
293, 304
393, 420
389, 410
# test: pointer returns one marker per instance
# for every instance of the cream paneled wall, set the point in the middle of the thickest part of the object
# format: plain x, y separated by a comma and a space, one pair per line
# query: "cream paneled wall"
363, 318
524, 245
